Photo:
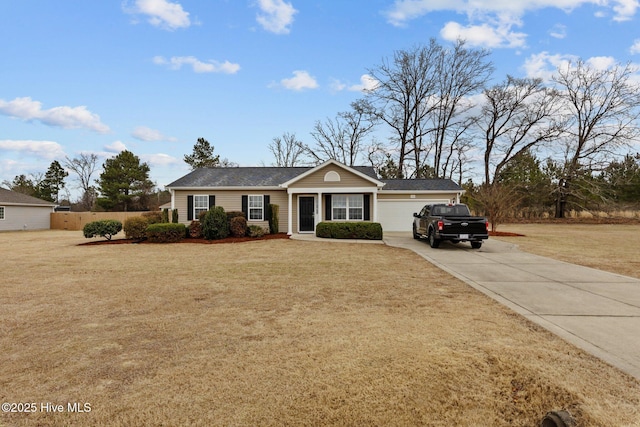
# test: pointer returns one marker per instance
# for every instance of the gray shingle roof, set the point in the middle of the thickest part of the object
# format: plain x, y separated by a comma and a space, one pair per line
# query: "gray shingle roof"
420, 185
14, 198
248, 176
266, 176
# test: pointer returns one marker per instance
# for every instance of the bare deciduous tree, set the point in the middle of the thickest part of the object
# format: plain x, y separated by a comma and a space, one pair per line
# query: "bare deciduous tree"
603, 108
518, 115
461, 73
84, 166
400, 97
423, 95
343, 138
287, 150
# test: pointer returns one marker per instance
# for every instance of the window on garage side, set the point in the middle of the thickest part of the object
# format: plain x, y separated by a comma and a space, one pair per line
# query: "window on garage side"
1, 212
347, 207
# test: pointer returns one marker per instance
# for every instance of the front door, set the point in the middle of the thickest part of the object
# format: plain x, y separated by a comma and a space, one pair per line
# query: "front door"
306, 208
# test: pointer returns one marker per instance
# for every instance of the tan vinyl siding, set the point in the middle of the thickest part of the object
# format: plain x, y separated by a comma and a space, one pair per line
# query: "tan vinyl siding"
231, 200
347, 179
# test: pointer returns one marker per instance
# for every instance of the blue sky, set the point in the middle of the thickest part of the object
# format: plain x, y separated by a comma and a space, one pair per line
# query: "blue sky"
153, 76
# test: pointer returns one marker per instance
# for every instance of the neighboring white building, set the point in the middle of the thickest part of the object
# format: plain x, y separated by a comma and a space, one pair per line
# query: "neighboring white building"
21, 212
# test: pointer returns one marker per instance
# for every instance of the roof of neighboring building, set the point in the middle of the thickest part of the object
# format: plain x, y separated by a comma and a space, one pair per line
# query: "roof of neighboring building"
420, 185
258, 176
14, 198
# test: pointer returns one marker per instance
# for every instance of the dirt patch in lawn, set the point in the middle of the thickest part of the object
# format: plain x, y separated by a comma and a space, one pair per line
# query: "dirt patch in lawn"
277, 332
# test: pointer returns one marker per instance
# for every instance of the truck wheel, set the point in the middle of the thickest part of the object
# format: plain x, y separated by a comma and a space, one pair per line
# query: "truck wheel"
415, 235
476, 245
433, 242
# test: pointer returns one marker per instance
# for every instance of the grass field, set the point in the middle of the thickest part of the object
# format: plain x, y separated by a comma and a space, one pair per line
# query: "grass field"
276, 332
609, 247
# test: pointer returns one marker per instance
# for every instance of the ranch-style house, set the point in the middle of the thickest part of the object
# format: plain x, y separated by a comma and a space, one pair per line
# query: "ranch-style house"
306, 196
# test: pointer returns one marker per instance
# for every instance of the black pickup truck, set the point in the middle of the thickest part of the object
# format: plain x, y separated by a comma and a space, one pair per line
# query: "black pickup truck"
451, 222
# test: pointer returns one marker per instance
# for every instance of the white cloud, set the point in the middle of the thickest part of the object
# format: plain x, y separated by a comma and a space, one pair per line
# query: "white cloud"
490, 21
558, 31
144, 133
625, 9
367, 83
115, 147
336, 85
301, 80
543, 65
276, 16
161, 13
601, 62
406, 10
484, 35
64, 117
635, 48
159, 159
42, 149
211, 66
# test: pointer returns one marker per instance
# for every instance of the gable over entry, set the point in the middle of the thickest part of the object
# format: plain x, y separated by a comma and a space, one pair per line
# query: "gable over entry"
339, 193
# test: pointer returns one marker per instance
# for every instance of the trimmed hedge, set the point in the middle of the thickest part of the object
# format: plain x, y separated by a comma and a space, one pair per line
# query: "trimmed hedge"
106, 228
136, 227
350, 230
166, 232
238, 226
153, 217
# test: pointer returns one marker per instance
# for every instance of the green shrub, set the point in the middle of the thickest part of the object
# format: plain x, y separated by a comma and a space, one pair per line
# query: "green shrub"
136, 227
165, 215
174, 216
234, 214
350, 230
256, 231
201, 216
153, 217
195, 230
274, 225
166, 232
238, 226
215, 224
105, 228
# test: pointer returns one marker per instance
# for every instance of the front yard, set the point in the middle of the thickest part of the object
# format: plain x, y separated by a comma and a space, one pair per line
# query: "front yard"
276, 332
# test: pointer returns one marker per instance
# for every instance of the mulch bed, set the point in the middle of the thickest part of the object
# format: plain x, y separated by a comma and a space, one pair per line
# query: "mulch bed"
189, 240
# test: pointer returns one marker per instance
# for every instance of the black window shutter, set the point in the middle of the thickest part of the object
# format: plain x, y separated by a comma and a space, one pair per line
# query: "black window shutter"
190, 208
266, 199
367, 208
245, 206
327, 207
212, 201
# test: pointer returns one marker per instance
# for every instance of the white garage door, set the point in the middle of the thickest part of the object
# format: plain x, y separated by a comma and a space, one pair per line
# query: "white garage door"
397, 215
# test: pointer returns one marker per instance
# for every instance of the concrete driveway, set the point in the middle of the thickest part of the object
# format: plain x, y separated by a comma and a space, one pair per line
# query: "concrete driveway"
592, 309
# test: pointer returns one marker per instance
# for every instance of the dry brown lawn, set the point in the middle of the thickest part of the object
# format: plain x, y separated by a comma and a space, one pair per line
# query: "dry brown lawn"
609, 247
277, 333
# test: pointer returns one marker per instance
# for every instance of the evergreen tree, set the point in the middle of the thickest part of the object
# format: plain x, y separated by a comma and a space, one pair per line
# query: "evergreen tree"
124, 183
202, 156
53, 182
